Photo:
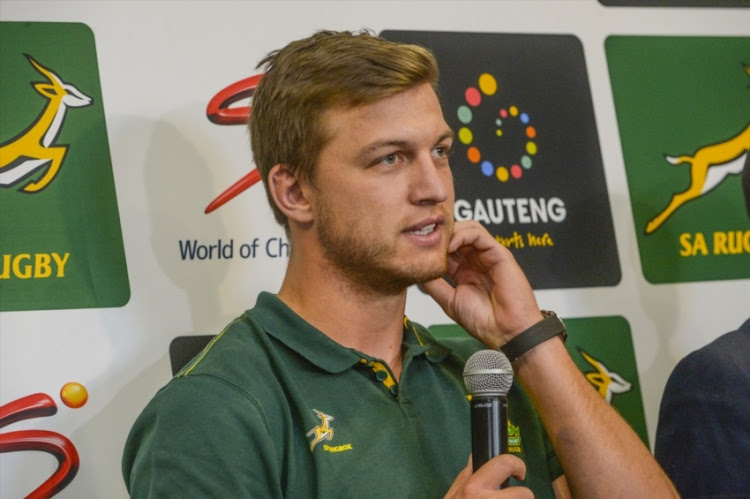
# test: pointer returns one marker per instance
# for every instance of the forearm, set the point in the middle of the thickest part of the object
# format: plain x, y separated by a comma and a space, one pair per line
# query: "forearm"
601, 455
493, 301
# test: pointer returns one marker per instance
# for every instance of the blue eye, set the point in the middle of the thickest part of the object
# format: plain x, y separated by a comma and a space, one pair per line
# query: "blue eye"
390, 159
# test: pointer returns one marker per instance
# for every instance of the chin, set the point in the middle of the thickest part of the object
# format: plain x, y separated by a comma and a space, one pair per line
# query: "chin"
427, 272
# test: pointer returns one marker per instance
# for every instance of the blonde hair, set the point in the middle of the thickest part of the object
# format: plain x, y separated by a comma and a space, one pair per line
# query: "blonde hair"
308, 77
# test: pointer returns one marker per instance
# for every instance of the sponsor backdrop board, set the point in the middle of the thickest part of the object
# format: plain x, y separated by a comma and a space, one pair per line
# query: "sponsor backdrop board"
526, 144
683, 109
158, 141
62, 244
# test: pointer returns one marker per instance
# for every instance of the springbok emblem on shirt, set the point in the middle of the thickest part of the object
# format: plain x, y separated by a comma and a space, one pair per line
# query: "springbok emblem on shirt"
607, 383
323, 431
34, 149
709, 166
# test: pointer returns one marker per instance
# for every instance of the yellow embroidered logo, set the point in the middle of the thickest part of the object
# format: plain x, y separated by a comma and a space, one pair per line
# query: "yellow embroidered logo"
607, 383
514, 438
337, 448
323, 431
34, 149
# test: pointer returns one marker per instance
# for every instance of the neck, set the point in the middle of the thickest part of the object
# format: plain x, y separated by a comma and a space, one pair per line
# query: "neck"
358, 318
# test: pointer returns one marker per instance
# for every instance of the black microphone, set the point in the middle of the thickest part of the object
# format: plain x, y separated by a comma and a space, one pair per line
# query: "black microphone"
488, 376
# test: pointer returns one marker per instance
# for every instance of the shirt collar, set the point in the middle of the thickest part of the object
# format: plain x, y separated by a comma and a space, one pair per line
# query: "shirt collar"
281, 322
418, 340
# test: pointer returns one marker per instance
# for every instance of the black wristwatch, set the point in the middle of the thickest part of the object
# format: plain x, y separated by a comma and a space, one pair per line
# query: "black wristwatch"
547, 328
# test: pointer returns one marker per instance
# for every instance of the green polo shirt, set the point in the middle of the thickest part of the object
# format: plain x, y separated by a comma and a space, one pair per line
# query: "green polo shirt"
274, 408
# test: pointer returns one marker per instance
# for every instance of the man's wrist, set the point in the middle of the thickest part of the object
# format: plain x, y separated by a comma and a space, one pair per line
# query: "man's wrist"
549, 327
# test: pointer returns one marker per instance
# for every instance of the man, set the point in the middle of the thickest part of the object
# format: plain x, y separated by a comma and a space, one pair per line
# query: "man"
326, 389
703, 434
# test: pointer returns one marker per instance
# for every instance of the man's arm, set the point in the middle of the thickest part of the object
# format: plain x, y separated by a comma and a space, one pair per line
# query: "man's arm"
200, 437
600, 454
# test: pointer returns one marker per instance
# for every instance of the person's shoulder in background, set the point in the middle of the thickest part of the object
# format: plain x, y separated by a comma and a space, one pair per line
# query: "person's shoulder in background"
703, 434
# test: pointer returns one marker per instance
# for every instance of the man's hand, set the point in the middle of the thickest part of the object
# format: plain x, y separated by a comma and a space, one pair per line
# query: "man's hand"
602, 456
492, 299
486, 481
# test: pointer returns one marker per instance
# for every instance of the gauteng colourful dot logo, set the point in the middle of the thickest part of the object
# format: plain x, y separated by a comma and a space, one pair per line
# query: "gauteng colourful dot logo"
502, 168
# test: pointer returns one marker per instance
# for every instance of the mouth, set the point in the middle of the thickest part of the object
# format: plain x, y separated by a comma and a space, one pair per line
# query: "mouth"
427, 233
424, 230
425, 227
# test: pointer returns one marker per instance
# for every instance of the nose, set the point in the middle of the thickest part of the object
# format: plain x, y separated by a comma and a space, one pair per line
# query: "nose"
431, 181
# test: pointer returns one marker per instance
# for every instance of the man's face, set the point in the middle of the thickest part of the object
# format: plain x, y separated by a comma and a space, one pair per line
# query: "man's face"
383, 191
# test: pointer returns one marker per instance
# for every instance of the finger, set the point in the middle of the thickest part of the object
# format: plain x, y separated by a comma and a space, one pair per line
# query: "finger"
460, 480
440, 291
485, 482
515, 493
498, 469
471, 233
477, 246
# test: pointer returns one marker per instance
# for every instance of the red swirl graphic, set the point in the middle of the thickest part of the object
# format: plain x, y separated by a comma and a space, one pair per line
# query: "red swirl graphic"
35, 406
219, 111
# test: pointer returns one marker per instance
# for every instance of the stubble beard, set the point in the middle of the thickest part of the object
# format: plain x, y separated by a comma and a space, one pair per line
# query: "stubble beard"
367, 263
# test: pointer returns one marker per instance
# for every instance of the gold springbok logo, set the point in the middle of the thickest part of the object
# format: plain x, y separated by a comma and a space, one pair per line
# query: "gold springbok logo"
323, 431
33, 149
607, 383
709, 166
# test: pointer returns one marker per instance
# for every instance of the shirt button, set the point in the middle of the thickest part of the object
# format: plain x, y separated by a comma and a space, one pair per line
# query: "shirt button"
381, 375
394, 390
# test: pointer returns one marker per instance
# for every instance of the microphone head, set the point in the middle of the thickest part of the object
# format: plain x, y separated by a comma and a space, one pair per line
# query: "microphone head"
488, 372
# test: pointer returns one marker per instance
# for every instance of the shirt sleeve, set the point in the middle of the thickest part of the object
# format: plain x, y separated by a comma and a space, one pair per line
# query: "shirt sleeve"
201, 437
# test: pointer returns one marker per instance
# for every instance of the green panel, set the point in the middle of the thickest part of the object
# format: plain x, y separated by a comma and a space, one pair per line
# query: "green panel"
60, 238
685, 96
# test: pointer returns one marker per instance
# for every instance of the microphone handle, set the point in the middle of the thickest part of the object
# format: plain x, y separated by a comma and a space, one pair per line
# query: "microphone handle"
489, 429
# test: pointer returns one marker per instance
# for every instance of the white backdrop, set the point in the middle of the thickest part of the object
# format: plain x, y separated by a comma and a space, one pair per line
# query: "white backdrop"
160, 62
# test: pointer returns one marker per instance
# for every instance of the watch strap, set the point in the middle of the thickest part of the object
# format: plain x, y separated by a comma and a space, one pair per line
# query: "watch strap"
547, 328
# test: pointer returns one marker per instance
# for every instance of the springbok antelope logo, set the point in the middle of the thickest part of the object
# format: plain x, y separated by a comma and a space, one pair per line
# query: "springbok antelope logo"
709, 166
607, 383
34, 148
323, 431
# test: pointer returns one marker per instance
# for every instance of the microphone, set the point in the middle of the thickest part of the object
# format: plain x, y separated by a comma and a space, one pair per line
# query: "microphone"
488, 376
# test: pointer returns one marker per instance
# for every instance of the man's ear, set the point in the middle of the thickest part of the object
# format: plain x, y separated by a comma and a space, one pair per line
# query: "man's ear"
288, 194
